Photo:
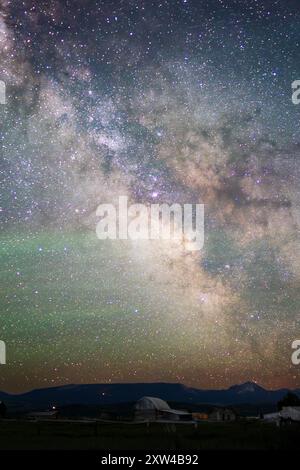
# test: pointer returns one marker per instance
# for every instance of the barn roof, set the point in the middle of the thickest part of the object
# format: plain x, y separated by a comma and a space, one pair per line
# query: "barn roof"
157, 403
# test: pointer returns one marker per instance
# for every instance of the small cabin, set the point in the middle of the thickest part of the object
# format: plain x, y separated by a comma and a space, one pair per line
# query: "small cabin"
222, 414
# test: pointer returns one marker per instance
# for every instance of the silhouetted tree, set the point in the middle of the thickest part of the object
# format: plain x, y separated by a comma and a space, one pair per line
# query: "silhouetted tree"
2, 409
290, 399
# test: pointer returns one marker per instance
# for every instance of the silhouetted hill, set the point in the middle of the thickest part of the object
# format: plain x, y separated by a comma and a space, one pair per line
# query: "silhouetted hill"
106, 394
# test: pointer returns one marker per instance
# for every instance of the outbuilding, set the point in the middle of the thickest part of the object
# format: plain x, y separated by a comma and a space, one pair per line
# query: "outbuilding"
154, 409
222, 414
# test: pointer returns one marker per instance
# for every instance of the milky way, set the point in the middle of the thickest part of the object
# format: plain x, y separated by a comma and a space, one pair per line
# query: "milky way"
169, 101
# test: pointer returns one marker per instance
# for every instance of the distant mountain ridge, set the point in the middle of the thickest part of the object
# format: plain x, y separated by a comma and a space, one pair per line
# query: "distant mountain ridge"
107, 394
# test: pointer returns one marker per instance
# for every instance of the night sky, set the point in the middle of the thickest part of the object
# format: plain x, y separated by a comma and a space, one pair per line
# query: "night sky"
162, 101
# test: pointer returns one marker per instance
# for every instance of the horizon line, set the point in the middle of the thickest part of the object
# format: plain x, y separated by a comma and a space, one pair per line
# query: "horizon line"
149, 383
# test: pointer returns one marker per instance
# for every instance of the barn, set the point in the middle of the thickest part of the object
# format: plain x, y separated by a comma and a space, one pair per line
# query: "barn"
154, 409
222, 414
288, 414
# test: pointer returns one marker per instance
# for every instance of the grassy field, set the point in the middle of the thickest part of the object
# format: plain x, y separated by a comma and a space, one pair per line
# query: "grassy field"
102, 436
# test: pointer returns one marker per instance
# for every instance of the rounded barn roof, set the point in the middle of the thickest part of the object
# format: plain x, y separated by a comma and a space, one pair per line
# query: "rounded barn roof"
152, 403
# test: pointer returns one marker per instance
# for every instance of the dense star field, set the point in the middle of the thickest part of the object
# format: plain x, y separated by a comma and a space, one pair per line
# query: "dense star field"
162, 101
